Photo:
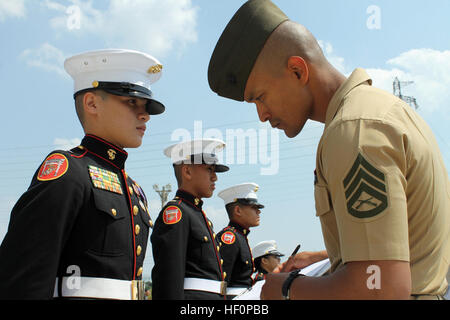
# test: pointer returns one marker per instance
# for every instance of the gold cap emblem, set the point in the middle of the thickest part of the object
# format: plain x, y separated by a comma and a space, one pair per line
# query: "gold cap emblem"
111, 154
155, 69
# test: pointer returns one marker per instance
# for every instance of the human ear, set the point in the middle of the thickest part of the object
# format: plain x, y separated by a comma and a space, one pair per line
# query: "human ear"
90, 105
237, 211
186, 172
298, 67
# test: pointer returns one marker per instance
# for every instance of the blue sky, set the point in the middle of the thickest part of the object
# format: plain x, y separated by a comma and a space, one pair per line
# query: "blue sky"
407, 39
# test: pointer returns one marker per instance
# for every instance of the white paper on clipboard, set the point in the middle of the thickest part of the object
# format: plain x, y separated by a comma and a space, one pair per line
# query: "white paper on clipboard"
314, 270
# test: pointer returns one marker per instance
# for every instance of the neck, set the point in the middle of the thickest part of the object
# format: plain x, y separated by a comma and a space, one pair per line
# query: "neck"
325, 82
190, 190
238, 223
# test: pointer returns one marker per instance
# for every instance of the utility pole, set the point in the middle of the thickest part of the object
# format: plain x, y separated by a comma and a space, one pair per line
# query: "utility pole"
398, 92
163, 193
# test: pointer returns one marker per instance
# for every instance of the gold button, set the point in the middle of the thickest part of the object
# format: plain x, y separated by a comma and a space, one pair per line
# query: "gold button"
209, 223
217, 248
214, 235
137, 229
114, 212
246, 262
138, 250
139, 272
135, 210
221, 261
131, 190
151, 223
205, 238
224, 274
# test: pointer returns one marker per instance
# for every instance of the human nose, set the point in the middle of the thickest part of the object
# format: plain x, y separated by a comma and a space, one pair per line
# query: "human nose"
144, 115
213, 176
262, 111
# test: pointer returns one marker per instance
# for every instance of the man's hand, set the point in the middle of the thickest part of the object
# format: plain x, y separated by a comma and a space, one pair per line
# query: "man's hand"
271, 289
301, 260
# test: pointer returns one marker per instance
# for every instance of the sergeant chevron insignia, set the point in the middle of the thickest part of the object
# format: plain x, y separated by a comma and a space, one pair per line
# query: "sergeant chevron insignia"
365, 189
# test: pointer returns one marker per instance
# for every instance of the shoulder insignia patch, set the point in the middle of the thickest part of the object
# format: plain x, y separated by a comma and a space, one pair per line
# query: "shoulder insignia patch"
228, 237
104, 179
365, 189
172, 215
54, 167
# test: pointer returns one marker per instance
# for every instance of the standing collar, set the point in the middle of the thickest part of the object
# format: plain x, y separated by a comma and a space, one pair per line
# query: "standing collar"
239, 228
105, 150
358, 77
189, 198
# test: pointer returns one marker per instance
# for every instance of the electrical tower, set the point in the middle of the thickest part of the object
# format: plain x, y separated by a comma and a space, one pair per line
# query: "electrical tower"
163, 193
398, 92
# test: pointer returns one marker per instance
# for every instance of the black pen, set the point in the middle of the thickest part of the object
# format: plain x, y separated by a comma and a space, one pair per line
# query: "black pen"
295, 251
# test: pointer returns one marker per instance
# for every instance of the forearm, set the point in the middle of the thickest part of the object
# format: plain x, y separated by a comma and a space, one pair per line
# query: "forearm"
315, 256
353, 281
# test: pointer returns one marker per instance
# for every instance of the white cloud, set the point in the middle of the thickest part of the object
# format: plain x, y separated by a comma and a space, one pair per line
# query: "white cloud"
429, 70
152, 26
66, 144
46, 57
12, 8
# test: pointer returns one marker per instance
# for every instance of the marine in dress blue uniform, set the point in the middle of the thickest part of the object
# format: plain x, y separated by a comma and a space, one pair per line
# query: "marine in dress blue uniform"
268, 251
235, 250
81, 228
188, 264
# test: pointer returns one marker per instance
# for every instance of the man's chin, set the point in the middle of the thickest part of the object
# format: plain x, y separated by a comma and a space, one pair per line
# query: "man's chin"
291, 133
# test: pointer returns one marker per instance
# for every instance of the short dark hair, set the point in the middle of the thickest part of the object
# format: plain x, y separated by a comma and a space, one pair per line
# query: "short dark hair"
257, 263
178, 175
79, 108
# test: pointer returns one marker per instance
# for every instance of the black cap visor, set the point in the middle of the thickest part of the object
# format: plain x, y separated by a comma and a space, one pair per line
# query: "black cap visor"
206, 158
127, 89
250, 202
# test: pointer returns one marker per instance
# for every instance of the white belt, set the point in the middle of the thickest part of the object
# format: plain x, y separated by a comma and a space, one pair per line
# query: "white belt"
100, 288
235, 291
208, 285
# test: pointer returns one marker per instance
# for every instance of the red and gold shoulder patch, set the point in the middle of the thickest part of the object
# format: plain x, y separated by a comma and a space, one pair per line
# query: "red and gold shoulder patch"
228, 237
54, 167
172, 215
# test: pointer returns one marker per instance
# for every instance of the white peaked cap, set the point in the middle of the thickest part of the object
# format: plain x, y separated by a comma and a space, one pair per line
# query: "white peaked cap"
117, 71
264, 248
197, 152
114, 65
244, 191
